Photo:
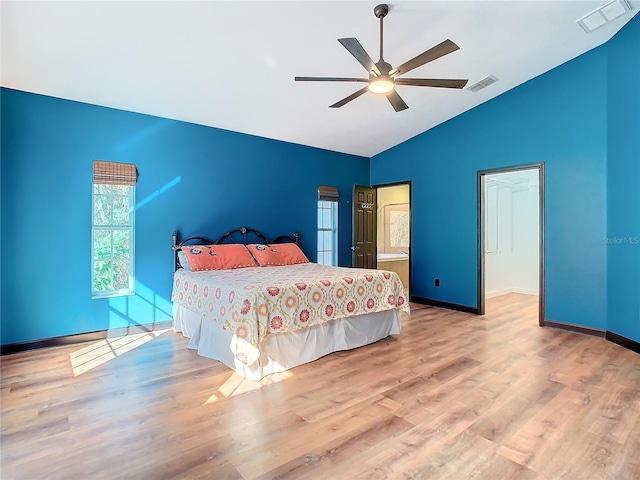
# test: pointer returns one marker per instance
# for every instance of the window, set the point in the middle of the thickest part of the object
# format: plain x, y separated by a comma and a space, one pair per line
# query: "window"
112, 232
327, 226
396, 228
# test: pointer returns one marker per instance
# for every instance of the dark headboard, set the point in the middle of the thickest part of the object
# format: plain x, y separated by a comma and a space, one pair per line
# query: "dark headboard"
242, 235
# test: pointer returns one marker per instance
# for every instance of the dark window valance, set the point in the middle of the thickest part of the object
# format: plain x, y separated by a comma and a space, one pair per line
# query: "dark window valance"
329, 194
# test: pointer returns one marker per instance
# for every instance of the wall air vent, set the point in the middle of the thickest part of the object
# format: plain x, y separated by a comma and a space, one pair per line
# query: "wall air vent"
604, 14
485, 82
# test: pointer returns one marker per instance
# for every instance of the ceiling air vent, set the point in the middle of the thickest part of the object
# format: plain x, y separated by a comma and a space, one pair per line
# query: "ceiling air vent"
485, 82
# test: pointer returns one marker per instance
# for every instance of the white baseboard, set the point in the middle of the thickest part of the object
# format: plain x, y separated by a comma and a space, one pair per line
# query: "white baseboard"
497, 293
526, 291
504, 291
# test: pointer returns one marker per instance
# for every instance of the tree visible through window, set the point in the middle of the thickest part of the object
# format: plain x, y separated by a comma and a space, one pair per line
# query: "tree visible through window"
112, 233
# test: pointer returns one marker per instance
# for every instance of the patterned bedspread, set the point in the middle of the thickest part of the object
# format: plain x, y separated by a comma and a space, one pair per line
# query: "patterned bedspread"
255, 302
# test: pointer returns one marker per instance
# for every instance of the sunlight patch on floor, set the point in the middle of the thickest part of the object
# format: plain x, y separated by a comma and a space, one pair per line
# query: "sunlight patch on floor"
212, 399
101, 352
237, 385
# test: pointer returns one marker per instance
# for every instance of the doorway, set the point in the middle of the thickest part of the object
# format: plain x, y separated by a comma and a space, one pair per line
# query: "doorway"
394, 230
511, 236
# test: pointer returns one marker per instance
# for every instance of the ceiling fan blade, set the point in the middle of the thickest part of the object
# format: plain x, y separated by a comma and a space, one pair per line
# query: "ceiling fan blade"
353, 96
438, 51
432, 82
329, 79
355, 49
396, 101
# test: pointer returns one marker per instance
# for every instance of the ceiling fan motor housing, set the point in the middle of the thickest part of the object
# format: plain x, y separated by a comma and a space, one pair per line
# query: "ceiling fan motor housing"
384, 68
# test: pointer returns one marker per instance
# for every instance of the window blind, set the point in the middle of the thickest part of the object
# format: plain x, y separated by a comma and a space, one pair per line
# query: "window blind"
114, 173
328, 194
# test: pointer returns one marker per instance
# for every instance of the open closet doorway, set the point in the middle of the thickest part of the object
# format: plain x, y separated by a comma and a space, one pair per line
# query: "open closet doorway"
511, 238
394, 230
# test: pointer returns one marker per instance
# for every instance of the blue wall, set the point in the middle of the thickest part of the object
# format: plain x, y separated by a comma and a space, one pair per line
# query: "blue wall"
582, 119
562, 118
623, 182
196, 179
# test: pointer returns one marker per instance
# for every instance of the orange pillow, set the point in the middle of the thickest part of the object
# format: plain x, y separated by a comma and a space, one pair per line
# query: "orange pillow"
218, 257
277, 254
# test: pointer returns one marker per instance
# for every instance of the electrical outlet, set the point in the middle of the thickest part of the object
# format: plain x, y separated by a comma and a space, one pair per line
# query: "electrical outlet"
437, 282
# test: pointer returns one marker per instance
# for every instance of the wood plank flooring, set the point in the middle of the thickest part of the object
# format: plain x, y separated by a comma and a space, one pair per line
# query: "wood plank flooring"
455, 396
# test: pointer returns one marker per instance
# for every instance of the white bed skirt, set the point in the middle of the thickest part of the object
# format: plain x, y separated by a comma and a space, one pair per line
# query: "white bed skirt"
282, 351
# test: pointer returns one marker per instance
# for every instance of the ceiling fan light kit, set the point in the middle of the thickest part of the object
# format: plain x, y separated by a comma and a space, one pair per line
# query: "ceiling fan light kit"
383, 78
381, 84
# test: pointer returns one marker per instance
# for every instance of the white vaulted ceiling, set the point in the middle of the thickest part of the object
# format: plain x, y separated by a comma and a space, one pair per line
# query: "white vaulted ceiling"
231, 64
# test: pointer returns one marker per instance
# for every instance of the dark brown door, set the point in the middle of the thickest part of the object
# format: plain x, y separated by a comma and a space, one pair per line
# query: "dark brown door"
364, 227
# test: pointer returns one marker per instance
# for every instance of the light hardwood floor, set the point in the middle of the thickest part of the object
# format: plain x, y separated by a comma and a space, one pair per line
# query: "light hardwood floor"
455, 396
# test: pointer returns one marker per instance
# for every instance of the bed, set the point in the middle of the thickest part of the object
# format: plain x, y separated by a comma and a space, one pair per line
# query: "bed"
268, 318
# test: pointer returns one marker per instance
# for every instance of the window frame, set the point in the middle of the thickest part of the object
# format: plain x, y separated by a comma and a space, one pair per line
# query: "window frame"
387, 210
112, 227
331, 206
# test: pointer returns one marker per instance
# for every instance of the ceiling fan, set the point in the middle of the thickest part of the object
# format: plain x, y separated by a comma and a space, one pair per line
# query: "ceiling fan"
383, 78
